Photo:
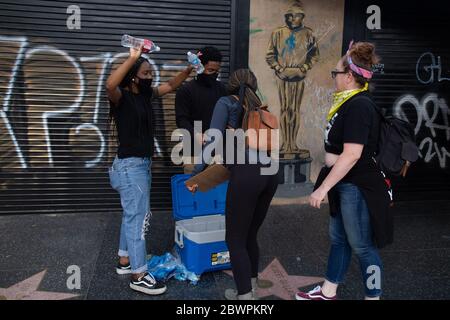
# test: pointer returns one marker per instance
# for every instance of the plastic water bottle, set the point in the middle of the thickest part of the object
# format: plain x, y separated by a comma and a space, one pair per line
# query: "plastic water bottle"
194, 60
132, 42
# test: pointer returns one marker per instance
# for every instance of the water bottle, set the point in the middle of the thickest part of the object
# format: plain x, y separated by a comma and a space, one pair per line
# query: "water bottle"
132, 42
195, 62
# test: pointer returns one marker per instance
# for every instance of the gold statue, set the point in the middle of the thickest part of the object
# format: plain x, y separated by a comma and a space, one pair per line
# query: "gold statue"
291, 54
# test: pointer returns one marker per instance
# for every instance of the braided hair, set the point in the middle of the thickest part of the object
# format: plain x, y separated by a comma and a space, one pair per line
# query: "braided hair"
243, 83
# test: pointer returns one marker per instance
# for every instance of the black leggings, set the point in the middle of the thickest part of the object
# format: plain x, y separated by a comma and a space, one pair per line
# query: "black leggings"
248, 198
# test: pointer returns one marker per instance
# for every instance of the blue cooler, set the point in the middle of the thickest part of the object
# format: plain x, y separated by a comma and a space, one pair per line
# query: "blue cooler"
200, 226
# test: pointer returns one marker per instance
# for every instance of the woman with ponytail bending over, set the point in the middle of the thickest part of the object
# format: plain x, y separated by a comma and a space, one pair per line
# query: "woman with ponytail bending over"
250, 191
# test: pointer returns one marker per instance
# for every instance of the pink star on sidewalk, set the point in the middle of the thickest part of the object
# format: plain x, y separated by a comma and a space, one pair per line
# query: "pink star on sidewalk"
27, 290
284, 286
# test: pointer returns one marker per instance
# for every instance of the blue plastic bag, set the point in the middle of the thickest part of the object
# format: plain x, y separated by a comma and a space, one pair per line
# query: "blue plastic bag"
167, 266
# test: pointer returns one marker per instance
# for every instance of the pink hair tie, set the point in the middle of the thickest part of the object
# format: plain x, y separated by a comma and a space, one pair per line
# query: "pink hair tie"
366, 74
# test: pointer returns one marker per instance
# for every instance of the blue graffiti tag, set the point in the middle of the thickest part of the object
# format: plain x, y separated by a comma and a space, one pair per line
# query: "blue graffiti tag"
290, 44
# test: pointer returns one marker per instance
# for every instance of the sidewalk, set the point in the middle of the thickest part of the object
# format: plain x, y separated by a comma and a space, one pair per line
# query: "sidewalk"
36, 250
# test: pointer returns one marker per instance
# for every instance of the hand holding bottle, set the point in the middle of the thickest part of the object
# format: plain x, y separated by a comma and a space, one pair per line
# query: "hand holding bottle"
195, 61
135, 53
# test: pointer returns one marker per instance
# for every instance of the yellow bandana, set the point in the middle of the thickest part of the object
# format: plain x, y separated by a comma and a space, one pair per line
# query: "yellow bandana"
339, 98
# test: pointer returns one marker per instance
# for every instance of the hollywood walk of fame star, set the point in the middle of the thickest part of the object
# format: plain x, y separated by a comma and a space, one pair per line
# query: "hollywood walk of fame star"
27, 290
284, 286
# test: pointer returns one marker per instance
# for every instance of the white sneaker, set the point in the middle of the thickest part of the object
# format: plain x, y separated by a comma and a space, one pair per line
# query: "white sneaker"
147, 284
123, 269
314, 294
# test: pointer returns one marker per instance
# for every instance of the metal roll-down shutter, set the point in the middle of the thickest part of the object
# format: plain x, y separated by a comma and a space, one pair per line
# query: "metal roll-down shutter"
415, 82
55, 143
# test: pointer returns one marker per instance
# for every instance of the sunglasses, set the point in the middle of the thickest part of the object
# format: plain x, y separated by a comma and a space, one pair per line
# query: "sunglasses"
334, 73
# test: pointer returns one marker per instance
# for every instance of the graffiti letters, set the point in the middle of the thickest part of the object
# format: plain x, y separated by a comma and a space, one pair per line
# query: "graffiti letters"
431, 114
56, 88
18, 45
426, 67
37, 63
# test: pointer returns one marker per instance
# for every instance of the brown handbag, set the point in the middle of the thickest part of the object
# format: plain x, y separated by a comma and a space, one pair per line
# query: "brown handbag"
265, 125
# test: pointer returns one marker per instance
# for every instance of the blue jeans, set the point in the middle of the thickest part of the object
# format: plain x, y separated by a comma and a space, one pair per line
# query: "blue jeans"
350, 229
131, 177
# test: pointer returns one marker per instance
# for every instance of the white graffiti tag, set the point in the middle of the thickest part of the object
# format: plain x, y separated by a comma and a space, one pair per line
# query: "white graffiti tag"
426, 66
74, 94
38, 60
21, 43
432, 114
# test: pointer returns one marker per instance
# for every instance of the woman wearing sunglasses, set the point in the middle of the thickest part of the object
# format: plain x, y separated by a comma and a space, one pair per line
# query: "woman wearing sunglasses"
357, 191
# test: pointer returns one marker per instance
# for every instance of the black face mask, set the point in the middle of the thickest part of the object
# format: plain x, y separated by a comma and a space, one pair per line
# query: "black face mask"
145, 86
208, 79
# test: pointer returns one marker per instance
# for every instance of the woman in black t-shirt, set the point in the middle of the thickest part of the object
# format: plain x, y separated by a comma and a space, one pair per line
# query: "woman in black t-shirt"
357, 193
130, 93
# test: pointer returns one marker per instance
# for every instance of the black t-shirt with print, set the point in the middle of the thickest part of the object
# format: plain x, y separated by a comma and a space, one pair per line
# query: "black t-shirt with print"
134, 120
358, 122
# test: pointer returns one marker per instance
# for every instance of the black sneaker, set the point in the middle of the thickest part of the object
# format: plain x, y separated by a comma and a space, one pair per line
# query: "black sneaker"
123, 269
148, 284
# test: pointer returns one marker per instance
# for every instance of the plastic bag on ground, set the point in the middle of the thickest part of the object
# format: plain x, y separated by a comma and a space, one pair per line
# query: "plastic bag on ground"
167, 266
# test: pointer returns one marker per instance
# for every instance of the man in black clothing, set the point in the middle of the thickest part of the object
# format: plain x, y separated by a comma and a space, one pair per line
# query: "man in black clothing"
196, 99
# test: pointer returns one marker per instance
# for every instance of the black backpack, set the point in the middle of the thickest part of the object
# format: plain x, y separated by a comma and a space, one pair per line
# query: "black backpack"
397, 147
